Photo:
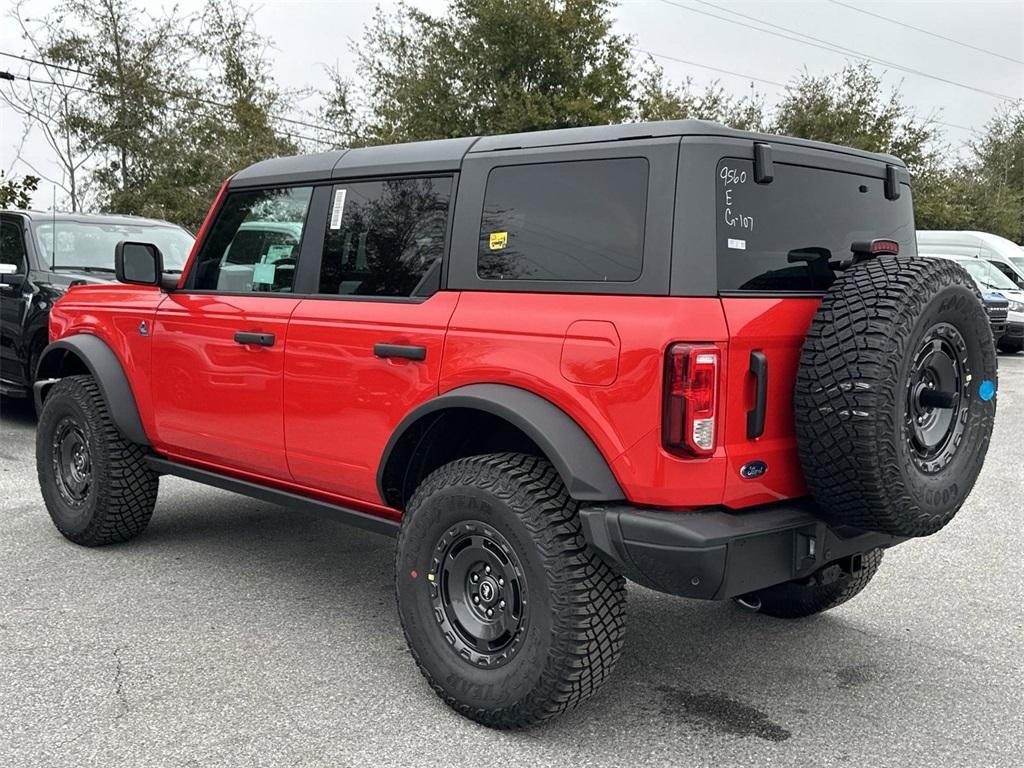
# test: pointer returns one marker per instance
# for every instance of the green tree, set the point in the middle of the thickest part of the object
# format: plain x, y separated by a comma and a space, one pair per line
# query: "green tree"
493, 66
997, 172
137, 65
17, 193
852, 108
659, 100
164, 107
229, 118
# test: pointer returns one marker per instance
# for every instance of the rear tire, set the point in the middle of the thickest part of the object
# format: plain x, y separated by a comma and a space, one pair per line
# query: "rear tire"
499, 533
799, 599
96, 485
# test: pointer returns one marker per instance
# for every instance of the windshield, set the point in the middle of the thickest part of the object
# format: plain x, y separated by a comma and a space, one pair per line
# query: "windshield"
1018, 262
90, 244
987, 276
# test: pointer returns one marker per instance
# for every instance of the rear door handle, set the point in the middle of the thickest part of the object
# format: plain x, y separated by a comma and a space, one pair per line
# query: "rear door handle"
756, 415
407, 351
259, 339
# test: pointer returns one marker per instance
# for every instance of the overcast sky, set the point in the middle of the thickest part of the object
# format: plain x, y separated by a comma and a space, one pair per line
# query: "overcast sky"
310, 33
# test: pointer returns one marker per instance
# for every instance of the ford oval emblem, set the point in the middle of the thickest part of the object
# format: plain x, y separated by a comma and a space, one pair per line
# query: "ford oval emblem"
753, 470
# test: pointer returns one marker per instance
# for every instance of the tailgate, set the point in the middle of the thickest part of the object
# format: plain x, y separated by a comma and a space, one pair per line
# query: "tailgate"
773, 329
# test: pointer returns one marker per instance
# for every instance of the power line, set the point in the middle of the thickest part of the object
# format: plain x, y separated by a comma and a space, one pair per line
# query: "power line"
925, 31
805, 39
164, 91
761, 80
706, 66
10, 76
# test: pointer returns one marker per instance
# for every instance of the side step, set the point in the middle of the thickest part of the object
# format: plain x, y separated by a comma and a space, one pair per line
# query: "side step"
352, 517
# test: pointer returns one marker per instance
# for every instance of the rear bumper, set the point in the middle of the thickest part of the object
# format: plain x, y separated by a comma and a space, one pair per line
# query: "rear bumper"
716, 554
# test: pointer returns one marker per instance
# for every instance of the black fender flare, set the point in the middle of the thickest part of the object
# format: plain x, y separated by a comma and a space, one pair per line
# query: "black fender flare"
108, 372
584, 470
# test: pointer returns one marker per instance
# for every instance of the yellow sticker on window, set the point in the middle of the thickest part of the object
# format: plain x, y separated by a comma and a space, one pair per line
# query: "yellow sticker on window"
498, 240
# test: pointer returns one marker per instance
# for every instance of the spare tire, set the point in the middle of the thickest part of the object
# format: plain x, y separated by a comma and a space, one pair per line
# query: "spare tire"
895, 395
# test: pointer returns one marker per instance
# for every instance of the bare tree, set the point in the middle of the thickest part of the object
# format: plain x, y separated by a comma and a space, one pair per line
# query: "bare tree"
50, 100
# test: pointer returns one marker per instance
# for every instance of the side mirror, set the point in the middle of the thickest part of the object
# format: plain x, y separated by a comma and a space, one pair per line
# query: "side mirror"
138, 263
9, 275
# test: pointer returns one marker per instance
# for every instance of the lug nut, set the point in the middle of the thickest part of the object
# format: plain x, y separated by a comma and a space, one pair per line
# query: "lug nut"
476, 598
501, 604
487, 569
501, 582
489, 613
474, 578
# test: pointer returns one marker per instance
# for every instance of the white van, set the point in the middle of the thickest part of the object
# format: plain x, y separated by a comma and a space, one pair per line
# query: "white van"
1004, 254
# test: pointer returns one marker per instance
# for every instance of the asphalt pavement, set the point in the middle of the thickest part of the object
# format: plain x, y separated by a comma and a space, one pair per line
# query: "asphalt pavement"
236, 633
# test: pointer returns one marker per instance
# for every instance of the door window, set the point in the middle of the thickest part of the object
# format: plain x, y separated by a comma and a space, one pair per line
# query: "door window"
253, 246
386, 238
12, 245
578, 221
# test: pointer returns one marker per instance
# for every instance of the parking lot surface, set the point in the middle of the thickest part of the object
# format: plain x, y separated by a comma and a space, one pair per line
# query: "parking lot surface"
237, 633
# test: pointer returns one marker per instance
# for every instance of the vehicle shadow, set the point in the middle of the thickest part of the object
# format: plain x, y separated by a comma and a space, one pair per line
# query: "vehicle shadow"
18, 411
688, 666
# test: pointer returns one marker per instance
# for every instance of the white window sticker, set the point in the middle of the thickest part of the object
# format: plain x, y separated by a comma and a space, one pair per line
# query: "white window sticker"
277, 252
737, 245
338, 209
263, 273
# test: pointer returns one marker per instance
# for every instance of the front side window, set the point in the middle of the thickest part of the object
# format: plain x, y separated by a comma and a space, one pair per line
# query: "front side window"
580, 221
788, 235
12, 245
386, 238
253, 246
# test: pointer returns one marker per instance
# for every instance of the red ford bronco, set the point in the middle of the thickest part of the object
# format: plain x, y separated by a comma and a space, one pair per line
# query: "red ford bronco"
704, 360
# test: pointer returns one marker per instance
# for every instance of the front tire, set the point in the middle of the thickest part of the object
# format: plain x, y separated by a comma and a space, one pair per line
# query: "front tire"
820, 592
509, 614
96, 485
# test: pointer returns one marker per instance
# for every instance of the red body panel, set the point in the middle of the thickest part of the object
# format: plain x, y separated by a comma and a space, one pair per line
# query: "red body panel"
776, 327
518, 339
342, 402
313, 412
214, 399
114, 314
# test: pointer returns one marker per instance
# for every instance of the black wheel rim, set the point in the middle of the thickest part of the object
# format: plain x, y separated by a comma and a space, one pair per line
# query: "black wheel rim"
938, 396
478, 589
72, 463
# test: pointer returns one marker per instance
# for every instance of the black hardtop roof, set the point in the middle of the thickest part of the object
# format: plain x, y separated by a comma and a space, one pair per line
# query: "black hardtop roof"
124, 220
447, 154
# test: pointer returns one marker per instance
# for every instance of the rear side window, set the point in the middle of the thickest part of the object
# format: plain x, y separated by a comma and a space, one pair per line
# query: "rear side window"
254, 244
12, 245
787, 235
386, 238
579, 221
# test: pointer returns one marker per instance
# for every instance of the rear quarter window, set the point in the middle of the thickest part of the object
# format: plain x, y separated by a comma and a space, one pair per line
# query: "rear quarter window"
786, 236
580, 221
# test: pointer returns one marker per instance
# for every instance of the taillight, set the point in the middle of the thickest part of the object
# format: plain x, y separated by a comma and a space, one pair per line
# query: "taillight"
691, 398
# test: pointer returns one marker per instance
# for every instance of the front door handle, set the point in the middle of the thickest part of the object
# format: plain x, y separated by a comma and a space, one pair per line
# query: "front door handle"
756, 415
259, 339
407, 351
